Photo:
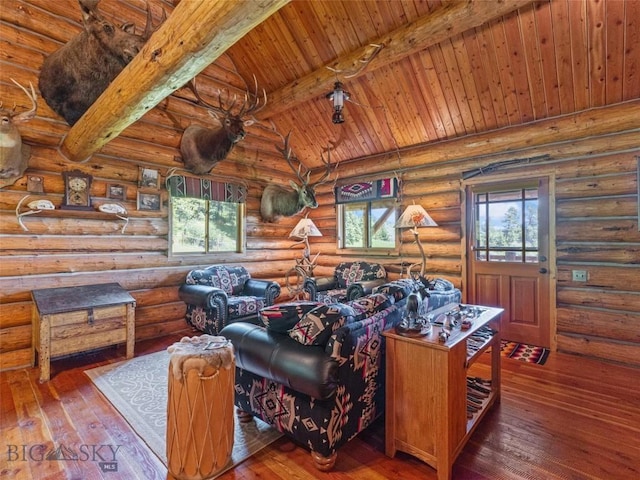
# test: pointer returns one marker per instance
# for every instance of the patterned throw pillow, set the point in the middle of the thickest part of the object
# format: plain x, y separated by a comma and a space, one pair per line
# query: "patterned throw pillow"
370, 304
398, 289
283, 317
316, 327
442, 285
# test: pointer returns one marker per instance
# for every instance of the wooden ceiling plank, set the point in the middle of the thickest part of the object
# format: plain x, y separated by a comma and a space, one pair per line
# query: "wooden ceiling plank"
426, 31
548, 57
579, 55
615, 26
631, 86
195, 35
562, 42
597, 53
480, 80
462, 77
518, 66
533, 60
507, 81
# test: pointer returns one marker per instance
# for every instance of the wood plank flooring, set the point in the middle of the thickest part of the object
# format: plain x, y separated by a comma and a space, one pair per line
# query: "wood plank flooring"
572, 418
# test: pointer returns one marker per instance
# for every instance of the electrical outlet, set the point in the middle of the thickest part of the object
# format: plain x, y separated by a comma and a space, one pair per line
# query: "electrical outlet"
579, 275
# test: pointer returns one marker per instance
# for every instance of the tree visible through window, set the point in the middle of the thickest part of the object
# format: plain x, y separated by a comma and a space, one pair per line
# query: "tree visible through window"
507, 226
205, 226
369, 225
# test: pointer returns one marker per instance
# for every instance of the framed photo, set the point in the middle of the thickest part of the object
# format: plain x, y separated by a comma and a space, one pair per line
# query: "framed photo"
149, 178
149, 201
116, 191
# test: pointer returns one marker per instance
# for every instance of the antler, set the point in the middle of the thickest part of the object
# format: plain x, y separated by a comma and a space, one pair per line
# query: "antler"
28, 115
287, 153
252, 100
220, 108
328, 170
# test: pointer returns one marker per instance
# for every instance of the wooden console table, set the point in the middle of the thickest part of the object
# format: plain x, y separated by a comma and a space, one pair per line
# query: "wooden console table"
431, 411
77, 319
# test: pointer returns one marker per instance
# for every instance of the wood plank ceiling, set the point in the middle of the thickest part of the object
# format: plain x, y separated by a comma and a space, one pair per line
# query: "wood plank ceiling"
545, 59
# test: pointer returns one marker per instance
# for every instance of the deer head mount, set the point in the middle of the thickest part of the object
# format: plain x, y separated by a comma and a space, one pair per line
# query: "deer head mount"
14, 156
278, 201
202, 147
73, 77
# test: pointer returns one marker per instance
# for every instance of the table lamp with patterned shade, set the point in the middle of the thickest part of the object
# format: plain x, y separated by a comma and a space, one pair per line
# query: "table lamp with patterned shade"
413, 217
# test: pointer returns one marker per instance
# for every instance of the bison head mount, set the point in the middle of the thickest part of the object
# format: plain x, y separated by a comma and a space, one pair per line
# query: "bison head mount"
74, 76
14, 156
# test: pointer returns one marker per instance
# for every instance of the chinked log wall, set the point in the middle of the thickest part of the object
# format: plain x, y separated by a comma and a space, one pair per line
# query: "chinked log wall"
71, 248
596, 224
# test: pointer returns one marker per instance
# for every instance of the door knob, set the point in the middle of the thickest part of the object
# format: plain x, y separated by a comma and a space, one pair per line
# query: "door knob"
543, 258
543, 270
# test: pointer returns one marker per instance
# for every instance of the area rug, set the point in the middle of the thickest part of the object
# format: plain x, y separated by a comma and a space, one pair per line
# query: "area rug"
523, 352
138, 388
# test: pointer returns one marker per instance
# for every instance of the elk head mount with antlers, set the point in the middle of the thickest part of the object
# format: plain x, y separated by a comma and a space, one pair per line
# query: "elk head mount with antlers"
14, 156
278, 201
202, 147
73, 77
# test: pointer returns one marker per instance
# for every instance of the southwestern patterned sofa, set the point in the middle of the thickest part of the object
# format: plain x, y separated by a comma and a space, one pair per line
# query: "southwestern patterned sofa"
221, 294
316, 371
350, 280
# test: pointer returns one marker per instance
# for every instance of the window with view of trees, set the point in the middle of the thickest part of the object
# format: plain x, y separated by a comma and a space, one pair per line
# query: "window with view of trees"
205, 226
506, 226
368, 225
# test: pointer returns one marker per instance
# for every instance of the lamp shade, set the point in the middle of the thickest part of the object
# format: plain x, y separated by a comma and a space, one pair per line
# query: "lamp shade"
415, 216
305, 228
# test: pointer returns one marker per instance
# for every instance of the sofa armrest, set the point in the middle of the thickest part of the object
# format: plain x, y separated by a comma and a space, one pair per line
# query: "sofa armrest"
313, 285
360, 289
277, 357
202, 295
262, 288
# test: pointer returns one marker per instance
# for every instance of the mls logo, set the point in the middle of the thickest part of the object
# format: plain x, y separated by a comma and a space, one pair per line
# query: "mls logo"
108, 466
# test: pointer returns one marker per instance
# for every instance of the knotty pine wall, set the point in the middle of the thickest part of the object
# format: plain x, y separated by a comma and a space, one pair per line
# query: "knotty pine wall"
595, 184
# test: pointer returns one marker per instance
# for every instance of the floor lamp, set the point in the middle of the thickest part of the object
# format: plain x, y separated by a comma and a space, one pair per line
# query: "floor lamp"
413, 217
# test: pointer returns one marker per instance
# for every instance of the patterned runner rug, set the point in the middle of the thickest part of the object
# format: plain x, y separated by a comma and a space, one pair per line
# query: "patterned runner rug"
138, 389
524, 352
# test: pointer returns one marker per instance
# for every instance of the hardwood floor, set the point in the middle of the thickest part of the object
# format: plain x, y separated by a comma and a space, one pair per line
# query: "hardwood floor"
572, 418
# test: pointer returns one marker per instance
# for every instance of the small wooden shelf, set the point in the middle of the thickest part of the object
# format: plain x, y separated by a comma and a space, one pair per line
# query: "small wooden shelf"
426, 391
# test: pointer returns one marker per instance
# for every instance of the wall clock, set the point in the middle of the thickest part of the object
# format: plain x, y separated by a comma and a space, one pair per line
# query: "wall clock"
77, 187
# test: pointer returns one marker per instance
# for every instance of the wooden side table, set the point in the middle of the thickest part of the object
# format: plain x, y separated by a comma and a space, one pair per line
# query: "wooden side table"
427, 397
78, 319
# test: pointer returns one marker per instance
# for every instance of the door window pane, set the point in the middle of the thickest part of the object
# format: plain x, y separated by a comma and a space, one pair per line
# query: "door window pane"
506, 228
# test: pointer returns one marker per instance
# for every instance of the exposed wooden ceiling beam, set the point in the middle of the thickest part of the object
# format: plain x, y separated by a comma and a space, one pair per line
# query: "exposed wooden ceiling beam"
445, 22
194, 36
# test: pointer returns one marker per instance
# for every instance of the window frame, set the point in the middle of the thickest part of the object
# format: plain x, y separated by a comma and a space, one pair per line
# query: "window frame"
240, 233
340, 230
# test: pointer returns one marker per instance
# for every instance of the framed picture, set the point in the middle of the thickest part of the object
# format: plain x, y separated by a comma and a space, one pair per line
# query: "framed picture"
149, 178
149, 201
116, 192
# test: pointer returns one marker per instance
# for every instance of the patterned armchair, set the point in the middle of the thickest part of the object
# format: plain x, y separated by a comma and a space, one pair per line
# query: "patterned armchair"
219, 294
350, 280
314, 371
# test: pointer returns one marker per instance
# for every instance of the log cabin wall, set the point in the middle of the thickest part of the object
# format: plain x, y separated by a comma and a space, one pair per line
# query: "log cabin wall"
595, 180
68, 248
591, 157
